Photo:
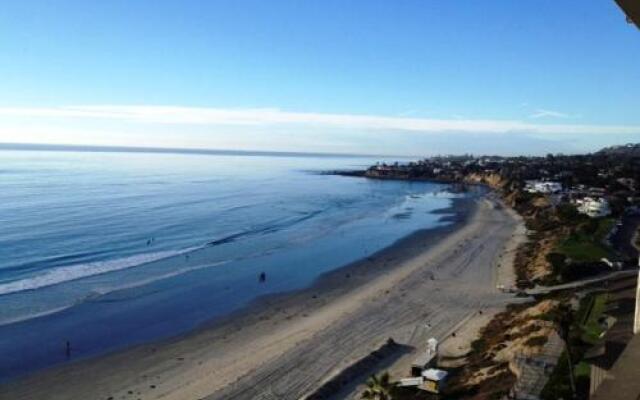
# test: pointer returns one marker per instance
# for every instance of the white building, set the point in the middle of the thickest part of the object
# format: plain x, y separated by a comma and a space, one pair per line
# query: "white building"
546, 187
593, 207
426, 359
434, 380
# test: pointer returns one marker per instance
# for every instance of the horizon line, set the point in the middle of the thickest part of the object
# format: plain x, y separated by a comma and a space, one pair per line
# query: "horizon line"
182, 150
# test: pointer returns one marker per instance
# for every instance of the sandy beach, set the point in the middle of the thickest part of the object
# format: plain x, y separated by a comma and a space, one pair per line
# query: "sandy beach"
288, 346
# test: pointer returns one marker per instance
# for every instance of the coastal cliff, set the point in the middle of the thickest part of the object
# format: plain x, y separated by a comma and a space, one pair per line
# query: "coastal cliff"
564, 246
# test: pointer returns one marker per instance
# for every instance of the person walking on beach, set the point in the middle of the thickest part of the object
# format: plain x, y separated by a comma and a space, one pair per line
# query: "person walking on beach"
68, 350
262, 278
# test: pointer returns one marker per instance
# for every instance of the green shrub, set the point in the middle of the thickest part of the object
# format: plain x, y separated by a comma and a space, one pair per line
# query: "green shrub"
557, 261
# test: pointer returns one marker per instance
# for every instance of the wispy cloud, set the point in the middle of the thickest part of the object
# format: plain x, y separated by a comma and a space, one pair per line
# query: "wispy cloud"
541, 113
275, 117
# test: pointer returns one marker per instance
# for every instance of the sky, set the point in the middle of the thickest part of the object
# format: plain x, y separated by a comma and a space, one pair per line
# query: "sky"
401, 77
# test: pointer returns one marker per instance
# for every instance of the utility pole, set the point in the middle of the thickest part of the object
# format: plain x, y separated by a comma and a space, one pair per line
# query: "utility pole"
636, 319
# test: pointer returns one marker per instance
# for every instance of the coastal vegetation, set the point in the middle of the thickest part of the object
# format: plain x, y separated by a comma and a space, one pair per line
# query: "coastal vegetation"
379, 388
488, 371
565, 244
585, 243
585, 330
589, 323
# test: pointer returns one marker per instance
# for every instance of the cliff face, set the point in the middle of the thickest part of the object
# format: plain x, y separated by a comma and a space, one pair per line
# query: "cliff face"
491, 366
494, 180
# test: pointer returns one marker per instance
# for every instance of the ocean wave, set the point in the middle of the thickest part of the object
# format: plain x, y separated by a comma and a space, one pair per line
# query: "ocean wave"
227, 239
267, 228
21, 318
51, 262
62, 274
402, 215
69, 273
97, 295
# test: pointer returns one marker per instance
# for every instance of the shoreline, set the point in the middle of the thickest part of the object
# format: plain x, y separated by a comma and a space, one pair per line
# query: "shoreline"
123, 315
358, 273
279, 323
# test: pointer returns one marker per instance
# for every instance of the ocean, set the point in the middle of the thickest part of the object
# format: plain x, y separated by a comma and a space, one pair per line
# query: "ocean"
111, 249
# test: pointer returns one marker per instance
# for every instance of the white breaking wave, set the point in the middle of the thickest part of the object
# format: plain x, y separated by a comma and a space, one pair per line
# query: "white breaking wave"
144, 282
68, 273
13, 320
102, 292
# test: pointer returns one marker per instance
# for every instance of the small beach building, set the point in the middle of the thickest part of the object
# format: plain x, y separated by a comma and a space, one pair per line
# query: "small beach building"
411, 382
434, 380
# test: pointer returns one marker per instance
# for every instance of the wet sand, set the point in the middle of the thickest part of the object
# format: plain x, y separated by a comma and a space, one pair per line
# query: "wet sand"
287, 346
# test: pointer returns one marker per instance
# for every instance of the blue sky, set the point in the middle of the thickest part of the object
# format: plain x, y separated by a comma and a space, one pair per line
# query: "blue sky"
400, 77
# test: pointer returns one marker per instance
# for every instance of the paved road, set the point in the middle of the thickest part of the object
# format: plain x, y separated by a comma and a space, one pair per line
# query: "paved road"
584, 282
623, 239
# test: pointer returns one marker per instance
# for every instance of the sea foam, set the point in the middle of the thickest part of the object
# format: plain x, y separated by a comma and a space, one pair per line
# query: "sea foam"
69, 273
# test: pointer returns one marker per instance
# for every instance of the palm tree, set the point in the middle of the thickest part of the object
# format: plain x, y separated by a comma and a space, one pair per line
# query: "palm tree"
378, 388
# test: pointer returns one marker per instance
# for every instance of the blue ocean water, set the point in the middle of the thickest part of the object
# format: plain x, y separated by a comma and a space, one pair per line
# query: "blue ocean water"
111, 249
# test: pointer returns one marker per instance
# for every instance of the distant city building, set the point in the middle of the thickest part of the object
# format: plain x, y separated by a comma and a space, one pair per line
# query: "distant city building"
629, 183
543, 187
596, 191
593, 207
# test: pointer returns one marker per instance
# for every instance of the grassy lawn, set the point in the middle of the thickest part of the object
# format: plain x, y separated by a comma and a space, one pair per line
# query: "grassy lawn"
591, 329
582, 370
585, 331
581, 250
587, 247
